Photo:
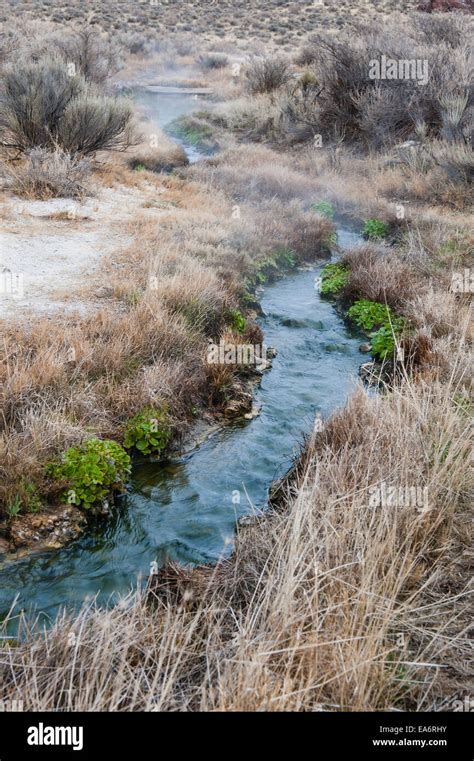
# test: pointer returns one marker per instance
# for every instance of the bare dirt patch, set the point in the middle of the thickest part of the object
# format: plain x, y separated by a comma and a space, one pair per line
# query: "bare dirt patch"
51, 251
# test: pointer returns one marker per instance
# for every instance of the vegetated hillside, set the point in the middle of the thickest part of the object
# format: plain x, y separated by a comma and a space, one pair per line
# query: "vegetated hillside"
226, 20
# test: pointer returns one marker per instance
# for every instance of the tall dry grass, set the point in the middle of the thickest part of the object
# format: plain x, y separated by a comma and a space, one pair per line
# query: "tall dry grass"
328, 603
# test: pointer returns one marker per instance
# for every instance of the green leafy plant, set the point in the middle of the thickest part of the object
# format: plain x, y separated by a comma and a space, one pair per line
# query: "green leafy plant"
372, 314
285, 257
14, 507
92, 471
26, 499
325, 208
149, 431
369, 314
238, 321
374, 229
384, 340
333, 278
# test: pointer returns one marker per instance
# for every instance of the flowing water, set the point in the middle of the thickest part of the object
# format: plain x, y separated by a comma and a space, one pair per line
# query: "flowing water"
163, 109
186, 509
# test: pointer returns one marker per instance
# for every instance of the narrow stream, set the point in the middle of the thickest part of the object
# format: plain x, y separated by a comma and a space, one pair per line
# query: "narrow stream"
186, 509
164, 109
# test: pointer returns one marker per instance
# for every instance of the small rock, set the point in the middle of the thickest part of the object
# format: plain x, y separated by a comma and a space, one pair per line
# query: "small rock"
263, 365
240, 405
53, 529
255, 412
271, 352
366, 370
365, 348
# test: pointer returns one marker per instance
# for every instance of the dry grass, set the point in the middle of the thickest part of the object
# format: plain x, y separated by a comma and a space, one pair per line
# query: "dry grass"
328, 604
47, 174
156, 152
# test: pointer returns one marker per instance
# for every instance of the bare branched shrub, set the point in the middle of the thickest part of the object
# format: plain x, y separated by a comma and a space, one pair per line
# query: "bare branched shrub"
137, 44
381, 110
50, 174
300, 113
94, 56
33, 101
266, 74
41, 105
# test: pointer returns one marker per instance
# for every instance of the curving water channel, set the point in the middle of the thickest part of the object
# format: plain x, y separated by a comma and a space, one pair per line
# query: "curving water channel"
186, 509
168, 107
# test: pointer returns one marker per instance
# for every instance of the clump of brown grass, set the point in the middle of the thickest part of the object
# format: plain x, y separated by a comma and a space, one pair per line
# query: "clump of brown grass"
47, 174
156, 152
378, 274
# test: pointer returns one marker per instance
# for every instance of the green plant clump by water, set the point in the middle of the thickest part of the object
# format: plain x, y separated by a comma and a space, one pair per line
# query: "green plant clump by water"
238, 321
372, 314
149, 431
375, 229
384, 340
325, 208
92, 471
191, 130
369, 314
27, 499
333, 278
285, 257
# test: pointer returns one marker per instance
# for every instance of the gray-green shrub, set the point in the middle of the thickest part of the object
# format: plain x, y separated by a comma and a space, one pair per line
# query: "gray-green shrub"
266, 74
42, 105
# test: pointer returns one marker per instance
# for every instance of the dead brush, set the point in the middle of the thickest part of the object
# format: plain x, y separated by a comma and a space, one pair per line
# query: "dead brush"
266, 74
45, 174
